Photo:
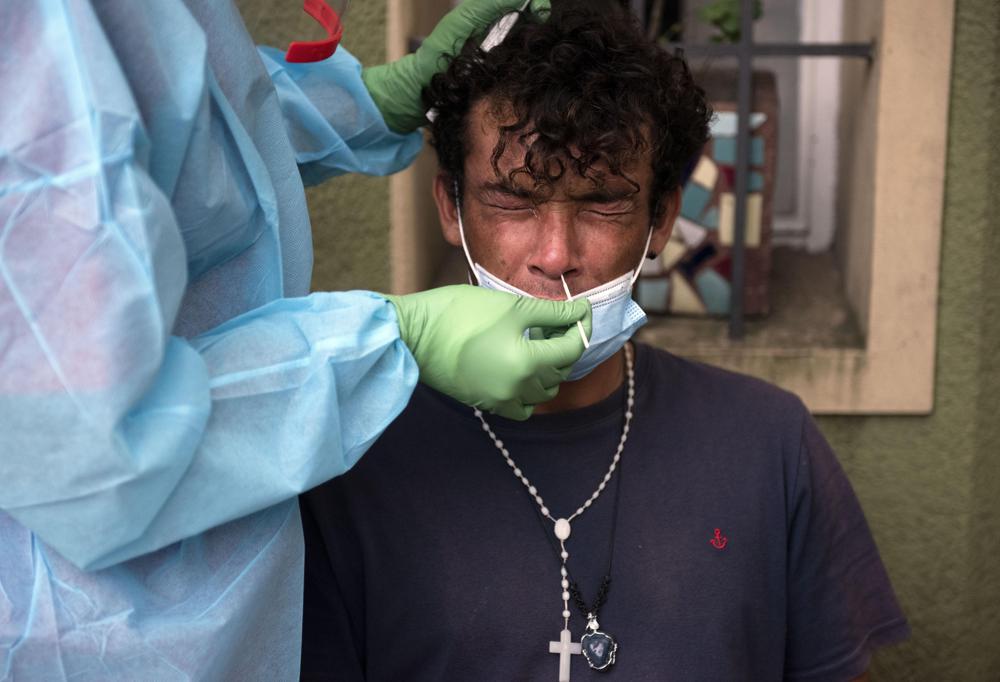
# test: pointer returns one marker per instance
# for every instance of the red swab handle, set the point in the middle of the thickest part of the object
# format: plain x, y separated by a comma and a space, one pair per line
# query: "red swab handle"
317, 50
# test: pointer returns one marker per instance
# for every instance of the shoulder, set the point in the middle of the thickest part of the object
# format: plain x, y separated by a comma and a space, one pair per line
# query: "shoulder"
725, 395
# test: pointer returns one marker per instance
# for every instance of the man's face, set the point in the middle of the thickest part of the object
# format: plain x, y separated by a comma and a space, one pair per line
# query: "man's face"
588, 232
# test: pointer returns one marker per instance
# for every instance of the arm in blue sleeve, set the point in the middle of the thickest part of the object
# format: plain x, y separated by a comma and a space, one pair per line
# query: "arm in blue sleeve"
332, 121
117, 438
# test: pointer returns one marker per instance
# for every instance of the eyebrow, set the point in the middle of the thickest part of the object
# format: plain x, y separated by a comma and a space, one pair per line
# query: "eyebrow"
499, 187
603, 195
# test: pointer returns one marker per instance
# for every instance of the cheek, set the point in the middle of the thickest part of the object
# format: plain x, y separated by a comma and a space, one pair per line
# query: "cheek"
612, 251
506, 242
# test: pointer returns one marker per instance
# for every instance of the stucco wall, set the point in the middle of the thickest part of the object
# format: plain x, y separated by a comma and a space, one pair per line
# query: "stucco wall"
930, 485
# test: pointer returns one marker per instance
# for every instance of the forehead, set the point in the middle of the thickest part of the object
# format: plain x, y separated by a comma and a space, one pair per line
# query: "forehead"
486, 118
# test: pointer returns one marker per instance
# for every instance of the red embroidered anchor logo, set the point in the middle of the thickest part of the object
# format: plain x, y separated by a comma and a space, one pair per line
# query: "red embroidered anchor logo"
720, 540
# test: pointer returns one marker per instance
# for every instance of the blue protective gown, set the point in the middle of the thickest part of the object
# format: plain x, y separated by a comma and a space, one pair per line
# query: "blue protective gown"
163, 374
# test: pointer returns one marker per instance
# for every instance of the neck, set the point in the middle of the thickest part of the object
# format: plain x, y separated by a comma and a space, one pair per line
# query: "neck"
606, 378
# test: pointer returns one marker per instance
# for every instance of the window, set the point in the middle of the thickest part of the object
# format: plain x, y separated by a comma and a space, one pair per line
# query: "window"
852, 328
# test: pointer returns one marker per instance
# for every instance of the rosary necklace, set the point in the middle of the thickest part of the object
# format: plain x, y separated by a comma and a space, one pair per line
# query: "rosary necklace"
597, 647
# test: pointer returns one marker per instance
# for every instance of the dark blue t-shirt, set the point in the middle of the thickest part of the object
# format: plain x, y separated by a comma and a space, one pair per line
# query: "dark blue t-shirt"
741, 552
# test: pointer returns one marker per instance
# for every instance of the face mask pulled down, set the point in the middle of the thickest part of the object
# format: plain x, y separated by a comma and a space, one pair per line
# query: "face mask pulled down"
616, 317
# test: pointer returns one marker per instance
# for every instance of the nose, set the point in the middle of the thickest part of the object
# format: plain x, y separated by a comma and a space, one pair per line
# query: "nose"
555, 252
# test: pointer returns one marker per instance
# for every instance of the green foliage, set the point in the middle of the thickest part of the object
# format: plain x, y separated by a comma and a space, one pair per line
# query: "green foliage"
724, 15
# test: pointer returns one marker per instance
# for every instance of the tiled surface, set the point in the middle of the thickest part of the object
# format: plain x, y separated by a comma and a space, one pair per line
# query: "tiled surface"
656, 293
714, 290
694, 200
684, 300
724, 150
705, 173
724, 123
696, 261
727, 213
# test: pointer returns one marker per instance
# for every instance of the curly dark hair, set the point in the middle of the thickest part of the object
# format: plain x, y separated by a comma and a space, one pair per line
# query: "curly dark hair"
586, 86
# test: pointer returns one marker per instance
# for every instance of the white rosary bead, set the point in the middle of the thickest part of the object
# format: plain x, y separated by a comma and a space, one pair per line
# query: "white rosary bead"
564, 572
565, 596
533, 490
566, 613
562, 529
545, 511
564, 554
565, 584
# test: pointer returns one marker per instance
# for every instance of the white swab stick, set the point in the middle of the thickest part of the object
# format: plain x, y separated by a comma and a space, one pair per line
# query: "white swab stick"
579, 323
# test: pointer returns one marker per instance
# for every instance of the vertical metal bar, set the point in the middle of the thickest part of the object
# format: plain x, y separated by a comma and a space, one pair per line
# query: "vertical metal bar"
744, 96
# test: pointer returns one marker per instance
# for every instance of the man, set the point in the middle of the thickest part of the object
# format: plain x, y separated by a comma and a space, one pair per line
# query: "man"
165, 382
659, 518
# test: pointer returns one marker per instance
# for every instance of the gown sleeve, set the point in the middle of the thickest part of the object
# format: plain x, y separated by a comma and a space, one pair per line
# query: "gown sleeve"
332, 121
116, 436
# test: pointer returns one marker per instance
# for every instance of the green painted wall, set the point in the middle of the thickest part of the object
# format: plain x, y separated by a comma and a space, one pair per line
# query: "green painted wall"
350, 214
930, 485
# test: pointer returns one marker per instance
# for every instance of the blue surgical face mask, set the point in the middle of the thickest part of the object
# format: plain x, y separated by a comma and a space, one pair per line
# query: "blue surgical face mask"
616, 317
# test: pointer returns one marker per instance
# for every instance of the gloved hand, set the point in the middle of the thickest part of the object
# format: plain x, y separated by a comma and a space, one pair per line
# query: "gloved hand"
469, 343
396, 87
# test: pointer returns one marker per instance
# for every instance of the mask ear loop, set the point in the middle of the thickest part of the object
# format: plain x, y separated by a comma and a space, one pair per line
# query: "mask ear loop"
638, 270
461, 233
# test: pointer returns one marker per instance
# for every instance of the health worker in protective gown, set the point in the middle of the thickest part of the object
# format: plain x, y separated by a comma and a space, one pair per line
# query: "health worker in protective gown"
167, 383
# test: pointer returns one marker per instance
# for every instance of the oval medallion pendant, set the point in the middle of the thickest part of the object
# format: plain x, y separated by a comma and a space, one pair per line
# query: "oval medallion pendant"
599, 649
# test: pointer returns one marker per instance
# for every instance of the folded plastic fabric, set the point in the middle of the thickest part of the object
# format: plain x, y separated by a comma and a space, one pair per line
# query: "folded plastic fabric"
156, 380
225, 605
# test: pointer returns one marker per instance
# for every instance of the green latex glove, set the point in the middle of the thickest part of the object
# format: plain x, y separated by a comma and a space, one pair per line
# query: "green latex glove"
469, 343
396, 87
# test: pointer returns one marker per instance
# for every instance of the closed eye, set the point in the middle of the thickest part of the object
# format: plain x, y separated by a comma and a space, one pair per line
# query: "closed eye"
512, 207
611, 209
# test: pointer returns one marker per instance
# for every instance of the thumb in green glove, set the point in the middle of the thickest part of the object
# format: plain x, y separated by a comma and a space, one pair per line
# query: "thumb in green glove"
469, 343
396, 87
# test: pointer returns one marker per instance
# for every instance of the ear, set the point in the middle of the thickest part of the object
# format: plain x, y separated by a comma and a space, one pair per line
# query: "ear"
444, 196
664, 224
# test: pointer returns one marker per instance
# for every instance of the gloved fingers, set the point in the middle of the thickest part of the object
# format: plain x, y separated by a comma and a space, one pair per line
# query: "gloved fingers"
481, 13
550, 377
542, 8
512, 409
532, 392
558, 352
542, 333
540, 312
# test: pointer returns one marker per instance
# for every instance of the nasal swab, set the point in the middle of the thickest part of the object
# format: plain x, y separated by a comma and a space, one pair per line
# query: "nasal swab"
579, 324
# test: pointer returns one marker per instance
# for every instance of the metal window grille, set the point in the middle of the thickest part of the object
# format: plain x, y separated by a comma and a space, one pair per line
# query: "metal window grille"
745, 51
